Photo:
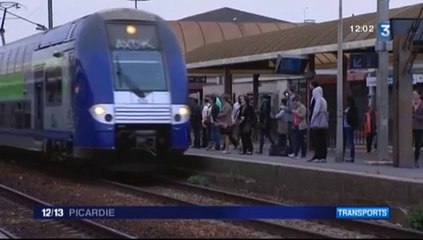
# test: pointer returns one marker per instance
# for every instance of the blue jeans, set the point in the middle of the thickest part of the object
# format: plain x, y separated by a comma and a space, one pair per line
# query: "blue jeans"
215, 136
299, 142
349, 140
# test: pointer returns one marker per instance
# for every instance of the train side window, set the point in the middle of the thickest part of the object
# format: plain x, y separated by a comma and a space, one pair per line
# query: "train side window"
19, 59
5, 61
27, 57
11, 62
54, 86
1, 61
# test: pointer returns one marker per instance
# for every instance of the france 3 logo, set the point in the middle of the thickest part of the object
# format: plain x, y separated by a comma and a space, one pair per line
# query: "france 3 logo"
384, 32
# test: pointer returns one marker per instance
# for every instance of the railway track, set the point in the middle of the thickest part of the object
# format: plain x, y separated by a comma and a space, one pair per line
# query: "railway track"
4, 234
268, 227
75, 228
362, 227
365, 227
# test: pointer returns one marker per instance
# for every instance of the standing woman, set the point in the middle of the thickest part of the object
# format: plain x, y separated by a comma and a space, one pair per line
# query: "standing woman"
319, 123
246, 119
225, 121
282, 118
417, 125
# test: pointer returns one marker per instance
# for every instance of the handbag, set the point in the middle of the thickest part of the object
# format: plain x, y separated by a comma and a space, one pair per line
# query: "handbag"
297, 120
320, 121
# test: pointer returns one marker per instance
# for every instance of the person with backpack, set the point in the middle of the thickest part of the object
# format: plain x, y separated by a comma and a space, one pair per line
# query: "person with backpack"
281, 117
350, 124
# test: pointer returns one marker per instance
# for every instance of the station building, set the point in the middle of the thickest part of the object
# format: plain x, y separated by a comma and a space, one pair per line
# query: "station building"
230, 43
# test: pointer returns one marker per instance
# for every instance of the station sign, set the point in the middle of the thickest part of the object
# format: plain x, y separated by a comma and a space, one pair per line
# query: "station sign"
197, 79
364, 60
371, 80
291, 64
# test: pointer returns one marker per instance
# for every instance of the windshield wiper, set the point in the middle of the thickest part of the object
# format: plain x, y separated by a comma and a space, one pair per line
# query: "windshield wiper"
133, 87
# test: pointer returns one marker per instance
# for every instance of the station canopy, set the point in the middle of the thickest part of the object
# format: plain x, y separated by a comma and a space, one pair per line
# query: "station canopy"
221, 25
261, 50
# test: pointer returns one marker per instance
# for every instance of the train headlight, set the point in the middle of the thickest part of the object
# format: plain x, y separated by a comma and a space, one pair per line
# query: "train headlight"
99, 110
183, 111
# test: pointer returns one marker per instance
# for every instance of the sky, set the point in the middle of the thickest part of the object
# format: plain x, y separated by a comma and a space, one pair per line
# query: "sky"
289, 10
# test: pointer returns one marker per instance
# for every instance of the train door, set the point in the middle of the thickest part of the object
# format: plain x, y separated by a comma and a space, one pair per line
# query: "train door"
74, 89
39, 76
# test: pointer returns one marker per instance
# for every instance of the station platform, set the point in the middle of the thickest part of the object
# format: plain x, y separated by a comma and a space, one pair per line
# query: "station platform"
365, 163
298, 181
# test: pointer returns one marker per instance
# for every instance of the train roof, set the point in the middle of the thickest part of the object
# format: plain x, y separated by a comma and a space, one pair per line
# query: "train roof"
66, 32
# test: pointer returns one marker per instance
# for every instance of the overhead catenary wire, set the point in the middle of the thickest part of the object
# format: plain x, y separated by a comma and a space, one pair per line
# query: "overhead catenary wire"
23, 18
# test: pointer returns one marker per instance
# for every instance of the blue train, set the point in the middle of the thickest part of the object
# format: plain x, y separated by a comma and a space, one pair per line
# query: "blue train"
106, 84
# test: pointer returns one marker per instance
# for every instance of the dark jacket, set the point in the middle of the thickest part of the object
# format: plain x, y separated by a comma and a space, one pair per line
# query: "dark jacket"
215, 113
264, 113
418, 117
246, 111
352, 117
196, 115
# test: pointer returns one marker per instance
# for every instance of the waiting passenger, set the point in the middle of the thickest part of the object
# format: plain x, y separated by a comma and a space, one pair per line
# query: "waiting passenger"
319, 123
265, 122
214, 127
417, 125
246, 119
350, 124
282, 118
196, 119
299, 128
235, 112
370, 119
206, 117
225, 122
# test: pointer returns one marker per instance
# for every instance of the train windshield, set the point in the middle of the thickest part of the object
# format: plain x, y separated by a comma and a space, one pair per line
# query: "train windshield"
137, 58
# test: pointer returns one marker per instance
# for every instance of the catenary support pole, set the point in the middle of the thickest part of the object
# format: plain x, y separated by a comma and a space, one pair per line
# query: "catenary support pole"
340, 92
382, 89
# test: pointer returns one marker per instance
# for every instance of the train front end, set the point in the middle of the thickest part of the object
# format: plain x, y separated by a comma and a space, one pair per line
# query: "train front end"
147, 75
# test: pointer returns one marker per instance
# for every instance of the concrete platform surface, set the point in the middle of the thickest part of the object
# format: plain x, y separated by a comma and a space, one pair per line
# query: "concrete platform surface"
296, 180
365, 164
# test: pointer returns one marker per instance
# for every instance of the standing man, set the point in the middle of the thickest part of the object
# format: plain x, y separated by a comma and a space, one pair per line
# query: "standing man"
206, 113
196, 122
265, 122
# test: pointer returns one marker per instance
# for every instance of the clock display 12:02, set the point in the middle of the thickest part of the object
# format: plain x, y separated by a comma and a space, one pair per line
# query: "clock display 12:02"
362, 28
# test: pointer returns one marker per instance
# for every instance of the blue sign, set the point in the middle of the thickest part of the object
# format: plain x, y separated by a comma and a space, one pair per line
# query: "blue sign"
364, 60
291, 65
384, 32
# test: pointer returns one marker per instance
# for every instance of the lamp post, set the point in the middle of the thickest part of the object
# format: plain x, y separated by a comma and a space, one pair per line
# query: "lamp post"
340, 92
136, 2
5, 8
